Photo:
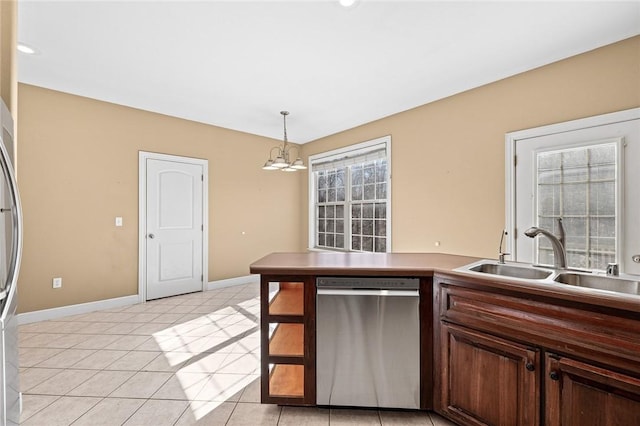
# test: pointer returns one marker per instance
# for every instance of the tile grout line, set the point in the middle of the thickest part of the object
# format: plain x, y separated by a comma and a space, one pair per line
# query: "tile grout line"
33, 414
171, 373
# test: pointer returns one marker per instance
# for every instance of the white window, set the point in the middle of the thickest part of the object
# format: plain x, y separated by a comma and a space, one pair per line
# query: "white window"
580, 186
349, 203
584, 172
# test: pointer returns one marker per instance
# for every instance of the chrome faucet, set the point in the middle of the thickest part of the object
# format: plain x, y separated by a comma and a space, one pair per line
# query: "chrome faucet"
559, 251
502, 254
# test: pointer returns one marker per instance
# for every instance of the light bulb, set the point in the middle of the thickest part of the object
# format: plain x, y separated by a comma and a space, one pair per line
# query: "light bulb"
26, 49
347, 3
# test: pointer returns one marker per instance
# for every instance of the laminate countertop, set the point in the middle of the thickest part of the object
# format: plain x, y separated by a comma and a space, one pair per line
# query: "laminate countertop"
428, 265
383, 264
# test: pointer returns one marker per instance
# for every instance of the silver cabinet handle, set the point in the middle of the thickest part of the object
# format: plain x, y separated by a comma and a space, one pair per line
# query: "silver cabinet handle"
152, 236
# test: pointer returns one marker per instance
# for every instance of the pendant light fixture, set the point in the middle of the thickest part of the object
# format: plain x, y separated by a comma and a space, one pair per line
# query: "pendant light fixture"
281, 162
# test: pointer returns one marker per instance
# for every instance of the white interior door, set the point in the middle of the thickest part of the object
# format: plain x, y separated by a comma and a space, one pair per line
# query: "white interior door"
625, 136
174, 228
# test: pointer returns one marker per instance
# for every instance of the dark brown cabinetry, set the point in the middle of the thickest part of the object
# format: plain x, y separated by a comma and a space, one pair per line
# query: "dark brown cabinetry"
288, 340
493, 352
504, 359
488, 380
581, 394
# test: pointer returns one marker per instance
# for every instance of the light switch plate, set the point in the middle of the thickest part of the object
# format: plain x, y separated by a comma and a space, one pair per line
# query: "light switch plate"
118, 221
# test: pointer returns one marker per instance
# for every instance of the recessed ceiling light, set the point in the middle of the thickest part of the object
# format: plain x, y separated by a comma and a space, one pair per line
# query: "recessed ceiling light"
25, 48
347, 3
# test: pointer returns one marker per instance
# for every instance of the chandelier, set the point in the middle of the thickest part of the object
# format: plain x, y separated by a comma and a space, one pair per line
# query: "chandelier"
282, 162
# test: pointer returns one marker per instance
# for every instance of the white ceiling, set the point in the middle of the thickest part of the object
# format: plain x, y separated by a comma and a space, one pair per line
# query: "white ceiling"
237, 64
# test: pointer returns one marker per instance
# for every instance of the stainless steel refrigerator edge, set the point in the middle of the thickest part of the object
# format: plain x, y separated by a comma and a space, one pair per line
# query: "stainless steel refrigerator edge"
10, 255
368, 342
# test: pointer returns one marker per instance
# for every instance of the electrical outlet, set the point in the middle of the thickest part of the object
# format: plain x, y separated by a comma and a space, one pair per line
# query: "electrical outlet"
57, 282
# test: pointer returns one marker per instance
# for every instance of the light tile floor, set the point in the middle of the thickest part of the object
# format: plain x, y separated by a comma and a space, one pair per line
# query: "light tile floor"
184, 360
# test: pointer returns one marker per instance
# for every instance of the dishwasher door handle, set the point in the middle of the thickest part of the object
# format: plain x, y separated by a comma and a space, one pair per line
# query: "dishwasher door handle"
367, 292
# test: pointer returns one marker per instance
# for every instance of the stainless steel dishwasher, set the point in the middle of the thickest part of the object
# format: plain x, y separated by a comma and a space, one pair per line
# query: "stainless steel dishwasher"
368, 342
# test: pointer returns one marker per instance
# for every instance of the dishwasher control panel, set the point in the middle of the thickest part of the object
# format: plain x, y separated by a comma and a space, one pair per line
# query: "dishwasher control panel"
369, 283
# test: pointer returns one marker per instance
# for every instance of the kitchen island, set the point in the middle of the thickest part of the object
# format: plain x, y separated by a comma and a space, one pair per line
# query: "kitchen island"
493, 350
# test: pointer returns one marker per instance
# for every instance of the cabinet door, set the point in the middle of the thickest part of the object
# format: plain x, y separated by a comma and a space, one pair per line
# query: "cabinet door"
581, 394
487, 380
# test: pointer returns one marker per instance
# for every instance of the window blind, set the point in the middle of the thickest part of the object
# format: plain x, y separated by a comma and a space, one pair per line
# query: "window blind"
350, 157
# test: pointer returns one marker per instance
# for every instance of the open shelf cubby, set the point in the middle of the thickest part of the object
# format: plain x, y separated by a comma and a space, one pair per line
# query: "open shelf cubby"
287, 381
287, 340
289, 300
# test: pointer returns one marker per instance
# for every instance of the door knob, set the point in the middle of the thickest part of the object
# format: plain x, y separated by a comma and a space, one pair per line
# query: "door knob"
152, 236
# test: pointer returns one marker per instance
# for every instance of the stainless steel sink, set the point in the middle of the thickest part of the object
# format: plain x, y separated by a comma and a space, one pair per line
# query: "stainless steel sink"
619, 285
628, 284
526, 272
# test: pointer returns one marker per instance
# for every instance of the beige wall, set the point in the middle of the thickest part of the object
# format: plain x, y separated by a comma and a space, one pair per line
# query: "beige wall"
8, 60
79, 170
448, 156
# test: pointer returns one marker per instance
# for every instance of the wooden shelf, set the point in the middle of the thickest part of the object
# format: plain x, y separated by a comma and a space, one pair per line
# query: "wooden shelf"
287, 381
287, 340
289, 300
287, 361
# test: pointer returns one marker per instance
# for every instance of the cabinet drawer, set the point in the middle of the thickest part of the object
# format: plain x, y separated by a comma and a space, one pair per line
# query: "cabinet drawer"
592, 333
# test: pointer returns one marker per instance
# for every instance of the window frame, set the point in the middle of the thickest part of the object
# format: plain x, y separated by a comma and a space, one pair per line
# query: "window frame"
355, 149
512, 138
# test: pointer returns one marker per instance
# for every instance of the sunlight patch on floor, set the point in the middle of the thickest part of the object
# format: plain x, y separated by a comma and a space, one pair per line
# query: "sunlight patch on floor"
216, 354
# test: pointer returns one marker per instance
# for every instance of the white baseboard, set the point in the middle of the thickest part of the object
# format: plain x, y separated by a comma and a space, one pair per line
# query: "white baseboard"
81, 308
248, 279
118, 302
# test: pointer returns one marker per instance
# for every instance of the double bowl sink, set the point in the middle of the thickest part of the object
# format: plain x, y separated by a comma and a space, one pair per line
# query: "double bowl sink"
625, 285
